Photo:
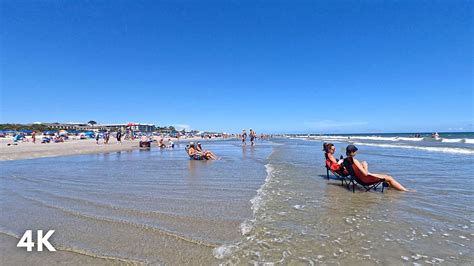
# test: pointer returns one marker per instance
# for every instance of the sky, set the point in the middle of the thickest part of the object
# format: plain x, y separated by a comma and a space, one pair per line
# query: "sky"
275, 66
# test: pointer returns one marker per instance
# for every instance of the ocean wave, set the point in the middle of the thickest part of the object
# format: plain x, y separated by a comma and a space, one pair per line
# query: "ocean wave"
431, 149
386, 139
375, 138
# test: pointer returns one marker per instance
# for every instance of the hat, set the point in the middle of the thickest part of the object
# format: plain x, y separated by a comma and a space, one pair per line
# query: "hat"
191, 143
351, 148
199, 143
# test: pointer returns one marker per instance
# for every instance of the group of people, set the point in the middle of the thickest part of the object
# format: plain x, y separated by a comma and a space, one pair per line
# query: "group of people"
252, 135
196, 152
162, 145
362, 167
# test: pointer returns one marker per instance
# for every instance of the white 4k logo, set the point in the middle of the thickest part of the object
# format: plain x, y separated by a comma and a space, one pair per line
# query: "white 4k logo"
27, 242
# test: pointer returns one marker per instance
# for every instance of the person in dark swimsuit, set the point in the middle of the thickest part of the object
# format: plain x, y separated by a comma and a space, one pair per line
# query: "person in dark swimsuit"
244, 137
366, 176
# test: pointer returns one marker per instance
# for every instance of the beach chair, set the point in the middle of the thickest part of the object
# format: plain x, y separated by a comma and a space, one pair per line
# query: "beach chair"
357, 176
341, 174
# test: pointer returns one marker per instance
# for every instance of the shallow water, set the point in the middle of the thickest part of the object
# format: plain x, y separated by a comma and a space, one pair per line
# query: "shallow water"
270, 203
305, 218
150, 206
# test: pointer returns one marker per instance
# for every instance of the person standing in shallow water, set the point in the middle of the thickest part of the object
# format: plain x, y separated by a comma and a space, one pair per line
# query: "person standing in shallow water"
253, 135
106, 137
33, 136
244, 137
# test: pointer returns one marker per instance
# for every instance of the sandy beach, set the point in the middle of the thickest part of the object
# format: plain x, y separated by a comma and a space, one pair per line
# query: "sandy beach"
30, 150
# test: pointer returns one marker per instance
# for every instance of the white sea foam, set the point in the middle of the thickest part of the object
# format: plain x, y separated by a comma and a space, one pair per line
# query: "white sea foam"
257, 200
247, 226
470, 141
223, 251
409, 139
376, 138
432, 149
452, 140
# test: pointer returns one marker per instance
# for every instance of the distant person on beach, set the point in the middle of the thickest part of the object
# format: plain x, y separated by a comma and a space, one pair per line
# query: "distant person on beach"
106, 137
33, 136
244, 137
368, 177
253, 136
170, 144
119, 136
97, 135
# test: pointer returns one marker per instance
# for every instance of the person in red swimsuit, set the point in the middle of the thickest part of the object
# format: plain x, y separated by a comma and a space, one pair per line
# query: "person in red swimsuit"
331, 161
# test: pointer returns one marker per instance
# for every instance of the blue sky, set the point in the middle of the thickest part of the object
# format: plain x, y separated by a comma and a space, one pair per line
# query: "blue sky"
275, 66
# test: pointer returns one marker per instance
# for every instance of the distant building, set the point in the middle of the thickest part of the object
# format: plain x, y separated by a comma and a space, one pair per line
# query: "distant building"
112, 127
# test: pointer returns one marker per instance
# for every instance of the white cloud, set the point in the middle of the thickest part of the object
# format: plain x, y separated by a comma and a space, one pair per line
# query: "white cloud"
182, 126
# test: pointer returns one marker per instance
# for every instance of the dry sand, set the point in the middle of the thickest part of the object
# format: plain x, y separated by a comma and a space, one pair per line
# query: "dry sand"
30, 150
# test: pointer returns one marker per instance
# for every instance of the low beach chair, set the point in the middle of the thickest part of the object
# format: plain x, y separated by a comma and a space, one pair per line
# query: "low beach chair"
340, 174
357, 176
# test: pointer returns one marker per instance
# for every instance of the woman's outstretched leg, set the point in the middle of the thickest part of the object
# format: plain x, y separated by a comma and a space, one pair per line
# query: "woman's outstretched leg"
393, 183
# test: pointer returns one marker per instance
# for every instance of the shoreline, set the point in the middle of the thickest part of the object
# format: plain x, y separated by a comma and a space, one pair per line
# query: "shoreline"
30, 150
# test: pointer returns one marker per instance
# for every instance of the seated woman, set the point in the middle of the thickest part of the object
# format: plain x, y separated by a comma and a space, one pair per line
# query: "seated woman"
331, 161
366, 176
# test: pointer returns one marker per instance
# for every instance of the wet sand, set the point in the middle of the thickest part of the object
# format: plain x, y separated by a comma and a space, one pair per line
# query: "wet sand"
19, 256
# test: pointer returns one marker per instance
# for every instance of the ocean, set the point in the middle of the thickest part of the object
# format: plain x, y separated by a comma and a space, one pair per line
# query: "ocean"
271, 203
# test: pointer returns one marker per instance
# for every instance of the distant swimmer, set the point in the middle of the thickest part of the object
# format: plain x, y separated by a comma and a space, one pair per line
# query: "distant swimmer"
244, 137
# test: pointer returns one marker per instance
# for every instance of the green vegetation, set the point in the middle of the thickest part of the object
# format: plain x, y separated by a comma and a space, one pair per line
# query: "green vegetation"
34, 127
42, 127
